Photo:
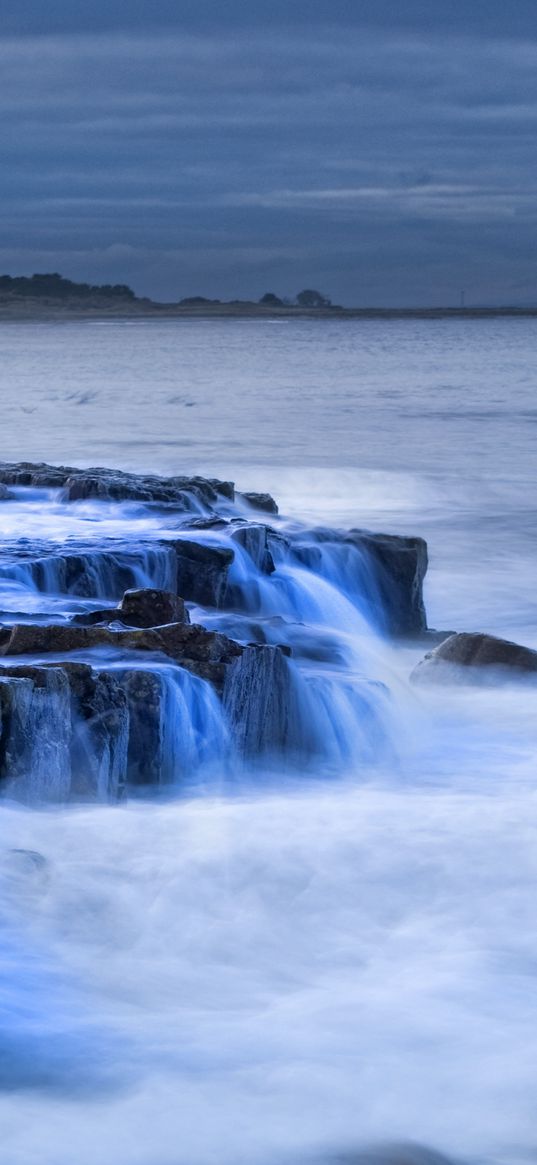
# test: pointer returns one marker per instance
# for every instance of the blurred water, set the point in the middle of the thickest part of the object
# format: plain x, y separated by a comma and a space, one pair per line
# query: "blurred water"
290, 976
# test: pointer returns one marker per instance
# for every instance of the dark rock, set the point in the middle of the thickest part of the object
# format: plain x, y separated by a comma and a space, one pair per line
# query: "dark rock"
35, 732
143, 691
100, 720
400, 565
466, 653
202, 571
260, 501
254, 540
262, 703
112, 484
150, 608
5, 493
93, 728
90, 573
188, 644
387, 571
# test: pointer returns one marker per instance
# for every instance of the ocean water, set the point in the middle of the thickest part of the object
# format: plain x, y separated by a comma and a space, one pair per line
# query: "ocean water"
303, 970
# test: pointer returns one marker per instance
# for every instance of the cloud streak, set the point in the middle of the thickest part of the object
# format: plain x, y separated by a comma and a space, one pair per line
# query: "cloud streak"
376, 160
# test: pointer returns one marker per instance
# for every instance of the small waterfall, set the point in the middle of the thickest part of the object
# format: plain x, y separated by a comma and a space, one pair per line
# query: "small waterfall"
176, 725
275, 709
100, 575
195, 734
36, 735
100, 737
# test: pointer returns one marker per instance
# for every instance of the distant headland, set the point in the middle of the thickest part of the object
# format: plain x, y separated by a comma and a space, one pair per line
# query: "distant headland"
51, 296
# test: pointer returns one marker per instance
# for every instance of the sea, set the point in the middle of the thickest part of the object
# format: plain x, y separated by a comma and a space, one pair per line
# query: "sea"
319, 969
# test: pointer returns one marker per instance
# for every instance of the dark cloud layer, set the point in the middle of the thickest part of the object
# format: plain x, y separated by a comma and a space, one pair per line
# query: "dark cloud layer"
384, 152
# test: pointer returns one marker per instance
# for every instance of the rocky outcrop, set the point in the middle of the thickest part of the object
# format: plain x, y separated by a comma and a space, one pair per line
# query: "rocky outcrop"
202, 571
112, 484
399, 565
471, 656
202, 652
384, 571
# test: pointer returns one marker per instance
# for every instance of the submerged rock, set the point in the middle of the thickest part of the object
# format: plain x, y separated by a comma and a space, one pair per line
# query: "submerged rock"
474, 652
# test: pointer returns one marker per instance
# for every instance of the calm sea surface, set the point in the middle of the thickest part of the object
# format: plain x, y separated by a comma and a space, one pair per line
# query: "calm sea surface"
291, 976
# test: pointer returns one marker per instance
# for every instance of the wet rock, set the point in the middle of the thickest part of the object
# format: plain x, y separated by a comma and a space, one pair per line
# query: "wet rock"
254, 540
388, 572
5, 493
400, 565
35, 732
187, 644
202, 571
260, 501
90, 573
112, 484
91, 728
143, 691
150, 608
471, 655
100, 733
262, 704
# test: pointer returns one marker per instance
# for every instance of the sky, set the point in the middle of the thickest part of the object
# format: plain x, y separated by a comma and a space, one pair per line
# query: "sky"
382, 151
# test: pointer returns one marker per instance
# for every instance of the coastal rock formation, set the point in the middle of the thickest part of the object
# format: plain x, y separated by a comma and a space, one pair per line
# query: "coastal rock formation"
113, 484
106, 684
473, 655
144, 607
387, 570
202, 571
200, 651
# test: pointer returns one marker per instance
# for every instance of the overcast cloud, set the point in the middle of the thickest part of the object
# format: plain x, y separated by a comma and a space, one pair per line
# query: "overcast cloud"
384, 152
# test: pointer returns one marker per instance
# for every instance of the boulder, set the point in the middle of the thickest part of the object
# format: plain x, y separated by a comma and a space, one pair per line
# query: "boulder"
471, 656
260, 501
151, 608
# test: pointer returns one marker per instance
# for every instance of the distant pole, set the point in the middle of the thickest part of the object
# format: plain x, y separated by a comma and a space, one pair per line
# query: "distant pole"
462, 298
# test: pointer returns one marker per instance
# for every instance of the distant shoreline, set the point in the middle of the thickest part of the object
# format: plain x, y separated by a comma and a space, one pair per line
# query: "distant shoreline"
22, 310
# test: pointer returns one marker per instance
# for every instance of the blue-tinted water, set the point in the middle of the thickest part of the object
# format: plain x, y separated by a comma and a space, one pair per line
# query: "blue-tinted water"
303, 971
